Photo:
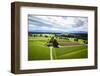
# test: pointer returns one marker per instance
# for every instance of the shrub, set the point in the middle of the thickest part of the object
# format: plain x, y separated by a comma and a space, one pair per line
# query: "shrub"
75, 39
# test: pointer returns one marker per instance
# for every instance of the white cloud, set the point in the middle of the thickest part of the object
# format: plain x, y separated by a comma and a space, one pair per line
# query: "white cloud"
60, 23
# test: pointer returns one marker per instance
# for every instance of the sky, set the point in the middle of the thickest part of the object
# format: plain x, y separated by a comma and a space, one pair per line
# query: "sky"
41, 23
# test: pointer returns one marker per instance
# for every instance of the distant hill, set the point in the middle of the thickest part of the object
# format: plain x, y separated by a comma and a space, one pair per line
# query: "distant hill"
45, 32
78, 32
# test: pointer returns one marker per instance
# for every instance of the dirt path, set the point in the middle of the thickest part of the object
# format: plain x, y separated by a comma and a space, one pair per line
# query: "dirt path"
69, 43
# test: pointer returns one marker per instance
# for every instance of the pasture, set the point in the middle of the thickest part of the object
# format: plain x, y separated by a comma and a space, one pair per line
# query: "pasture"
38, 49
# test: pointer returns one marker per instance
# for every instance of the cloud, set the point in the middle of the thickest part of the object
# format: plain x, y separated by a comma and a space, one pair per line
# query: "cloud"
57, 23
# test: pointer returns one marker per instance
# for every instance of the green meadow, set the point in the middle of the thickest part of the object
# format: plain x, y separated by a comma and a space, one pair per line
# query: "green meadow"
69, 49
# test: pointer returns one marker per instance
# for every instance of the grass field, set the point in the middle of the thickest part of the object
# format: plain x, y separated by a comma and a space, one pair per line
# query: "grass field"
38, 49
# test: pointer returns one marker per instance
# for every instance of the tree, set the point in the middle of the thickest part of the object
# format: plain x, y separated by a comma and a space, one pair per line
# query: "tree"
53, 42
46, 35
40, 35
76, 39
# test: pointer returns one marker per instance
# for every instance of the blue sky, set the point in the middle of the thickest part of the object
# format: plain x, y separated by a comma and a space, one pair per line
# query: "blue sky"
57, 23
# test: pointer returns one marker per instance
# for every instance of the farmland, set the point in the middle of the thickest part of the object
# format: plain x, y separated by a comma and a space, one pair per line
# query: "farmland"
70, 48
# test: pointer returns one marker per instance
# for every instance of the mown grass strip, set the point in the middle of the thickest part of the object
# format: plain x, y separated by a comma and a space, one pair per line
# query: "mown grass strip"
72, 53
64, 50
54, 54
